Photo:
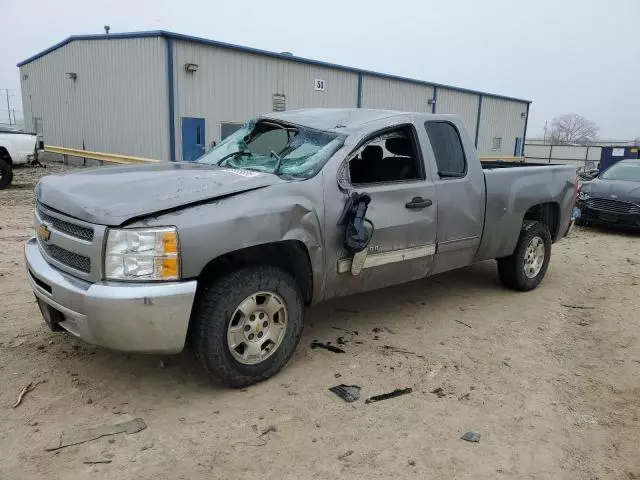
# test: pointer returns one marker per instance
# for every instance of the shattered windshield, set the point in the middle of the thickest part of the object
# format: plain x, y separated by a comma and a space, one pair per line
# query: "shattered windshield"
273, 147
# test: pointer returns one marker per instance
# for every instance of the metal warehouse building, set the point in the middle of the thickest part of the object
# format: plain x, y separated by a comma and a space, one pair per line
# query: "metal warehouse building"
168, 96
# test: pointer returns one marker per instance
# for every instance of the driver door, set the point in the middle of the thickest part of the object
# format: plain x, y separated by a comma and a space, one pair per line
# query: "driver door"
389, 167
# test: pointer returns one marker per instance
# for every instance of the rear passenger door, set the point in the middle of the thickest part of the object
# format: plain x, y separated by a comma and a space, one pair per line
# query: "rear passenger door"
389, 167
460, 187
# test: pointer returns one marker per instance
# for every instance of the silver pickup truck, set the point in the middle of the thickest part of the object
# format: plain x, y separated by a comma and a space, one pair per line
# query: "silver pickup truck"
223, 254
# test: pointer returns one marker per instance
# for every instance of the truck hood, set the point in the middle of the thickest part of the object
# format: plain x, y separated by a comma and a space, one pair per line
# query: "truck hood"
623, 190
112, 195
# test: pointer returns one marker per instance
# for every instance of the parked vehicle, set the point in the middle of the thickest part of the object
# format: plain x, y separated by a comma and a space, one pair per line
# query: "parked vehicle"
16, 148
613, 197
292, 209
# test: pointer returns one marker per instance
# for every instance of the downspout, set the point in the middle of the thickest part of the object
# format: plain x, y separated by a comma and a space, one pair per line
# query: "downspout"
524, 135
359, 102
478, 119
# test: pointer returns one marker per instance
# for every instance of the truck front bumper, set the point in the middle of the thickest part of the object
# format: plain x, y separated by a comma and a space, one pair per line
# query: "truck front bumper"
132, 317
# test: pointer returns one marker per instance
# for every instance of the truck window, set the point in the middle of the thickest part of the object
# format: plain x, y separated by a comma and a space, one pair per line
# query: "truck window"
389, 157
447, 148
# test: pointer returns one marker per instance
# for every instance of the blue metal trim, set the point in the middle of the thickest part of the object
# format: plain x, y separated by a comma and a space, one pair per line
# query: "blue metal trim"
478, 119
435, 99
265, 53
359, 90
172, 124
524, 134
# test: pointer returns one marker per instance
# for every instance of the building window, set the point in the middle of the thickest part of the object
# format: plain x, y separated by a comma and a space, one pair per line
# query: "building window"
447, 149
279, 102
496, 144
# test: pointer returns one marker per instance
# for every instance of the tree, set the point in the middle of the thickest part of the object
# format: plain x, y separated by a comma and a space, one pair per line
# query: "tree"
572, 128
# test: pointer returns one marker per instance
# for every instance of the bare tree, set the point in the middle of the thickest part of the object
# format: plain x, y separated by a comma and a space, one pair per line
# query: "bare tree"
573, 128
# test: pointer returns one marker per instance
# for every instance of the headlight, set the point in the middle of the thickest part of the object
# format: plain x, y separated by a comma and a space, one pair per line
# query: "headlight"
142, 254
583, 196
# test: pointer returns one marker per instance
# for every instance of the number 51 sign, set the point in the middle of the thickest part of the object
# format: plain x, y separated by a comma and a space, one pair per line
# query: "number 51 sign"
318, 84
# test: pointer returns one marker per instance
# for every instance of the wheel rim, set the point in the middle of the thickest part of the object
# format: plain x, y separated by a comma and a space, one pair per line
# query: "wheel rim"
257, 327
534, 257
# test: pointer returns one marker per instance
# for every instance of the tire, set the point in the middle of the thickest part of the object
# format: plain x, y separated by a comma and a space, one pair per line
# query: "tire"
6, 174
511, 269
217, 306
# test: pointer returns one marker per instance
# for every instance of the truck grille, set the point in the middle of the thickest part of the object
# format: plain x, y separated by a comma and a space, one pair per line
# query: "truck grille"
613, 206
73, 260
69, 228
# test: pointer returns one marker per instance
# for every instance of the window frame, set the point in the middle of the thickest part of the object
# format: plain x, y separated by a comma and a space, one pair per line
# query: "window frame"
449, 175
419, 157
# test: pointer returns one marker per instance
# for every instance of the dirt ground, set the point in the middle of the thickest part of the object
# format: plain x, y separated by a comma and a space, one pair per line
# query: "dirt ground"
550, 379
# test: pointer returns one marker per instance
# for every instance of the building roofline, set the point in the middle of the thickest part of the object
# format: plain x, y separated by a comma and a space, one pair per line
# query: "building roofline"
257, 51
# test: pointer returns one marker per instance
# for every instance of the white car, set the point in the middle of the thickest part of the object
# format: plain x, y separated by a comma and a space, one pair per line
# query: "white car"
16, 148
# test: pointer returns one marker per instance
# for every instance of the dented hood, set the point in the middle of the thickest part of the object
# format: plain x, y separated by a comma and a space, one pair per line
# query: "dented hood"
113, 195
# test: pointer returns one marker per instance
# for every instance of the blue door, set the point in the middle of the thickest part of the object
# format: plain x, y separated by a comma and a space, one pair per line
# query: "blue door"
193, 138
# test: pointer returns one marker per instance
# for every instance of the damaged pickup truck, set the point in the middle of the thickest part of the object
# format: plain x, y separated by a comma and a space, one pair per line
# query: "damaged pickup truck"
223, 254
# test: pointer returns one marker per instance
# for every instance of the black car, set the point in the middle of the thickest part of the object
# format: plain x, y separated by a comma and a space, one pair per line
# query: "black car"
613, 197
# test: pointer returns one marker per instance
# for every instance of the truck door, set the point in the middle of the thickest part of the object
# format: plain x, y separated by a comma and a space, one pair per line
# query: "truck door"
389, 167
460, 187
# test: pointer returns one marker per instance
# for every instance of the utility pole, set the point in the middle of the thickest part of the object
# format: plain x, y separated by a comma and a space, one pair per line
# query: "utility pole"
544, 139
6, 90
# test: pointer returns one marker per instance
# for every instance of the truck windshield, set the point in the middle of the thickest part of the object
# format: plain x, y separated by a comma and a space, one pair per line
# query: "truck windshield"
622, 171
272, 147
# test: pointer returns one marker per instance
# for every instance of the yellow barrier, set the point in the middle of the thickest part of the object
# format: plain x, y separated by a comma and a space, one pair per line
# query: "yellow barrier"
105, 157
502, 159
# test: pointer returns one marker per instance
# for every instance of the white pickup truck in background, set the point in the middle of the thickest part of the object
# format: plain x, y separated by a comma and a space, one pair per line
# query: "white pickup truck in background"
16, 148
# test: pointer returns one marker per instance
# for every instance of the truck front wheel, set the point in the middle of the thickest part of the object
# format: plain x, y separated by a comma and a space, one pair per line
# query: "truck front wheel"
246, 324
527, 266
6, 174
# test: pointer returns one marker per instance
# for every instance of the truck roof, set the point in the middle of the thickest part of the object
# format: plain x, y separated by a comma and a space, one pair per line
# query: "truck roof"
337, 119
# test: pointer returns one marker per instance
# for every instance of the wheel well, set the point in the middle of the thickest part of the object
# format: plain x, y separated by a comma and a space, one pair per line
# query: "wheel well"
4, 155
547, 213
289, 255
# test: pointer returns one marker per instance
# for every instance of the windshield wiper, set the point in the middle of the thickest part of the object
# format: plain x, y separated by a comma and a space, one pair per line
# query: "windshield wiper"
233, 155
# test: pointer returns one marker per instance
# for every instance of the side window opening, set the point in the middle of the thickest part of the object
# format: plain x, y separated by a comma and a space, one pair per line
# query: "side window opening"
389, 157
447, 149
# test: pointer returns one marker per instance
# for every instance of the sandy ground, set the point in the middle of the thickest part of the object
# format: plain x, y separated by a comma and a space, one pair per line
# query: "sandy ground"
553, 389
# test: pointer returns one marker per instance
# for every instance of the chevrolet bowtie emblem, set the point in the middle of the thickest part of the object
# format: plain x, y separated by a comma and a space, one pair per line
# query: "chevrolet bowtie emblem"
44, 233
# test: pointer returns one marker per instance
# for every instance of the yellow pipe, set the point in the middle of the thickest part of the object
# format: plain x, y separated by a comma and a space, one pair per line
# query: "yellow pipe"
105, 157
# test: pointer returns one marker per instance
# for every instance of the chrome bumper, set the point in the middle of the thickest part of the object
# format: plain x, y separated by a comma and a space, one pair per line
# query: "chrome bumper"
132, 317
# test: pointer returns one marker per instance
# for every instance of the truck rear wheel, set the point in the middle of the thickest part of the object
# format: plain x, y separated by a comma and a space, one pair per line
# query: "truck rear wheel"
527, 266
246, 325
6, 174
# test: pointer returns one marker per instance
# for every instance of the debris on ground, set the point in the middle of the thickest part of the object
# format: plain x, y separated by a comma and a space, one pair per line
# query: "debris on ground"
146, 447
82, 436
579, 307
337, 375
462, 323
327, 346
96, 462
471, 437
439, 392
28, 388
341, 341
346, 330
386, 396
346, 454
584, 323
376, 329
400, 350
349, 393
464, 396
269, 429
412, 463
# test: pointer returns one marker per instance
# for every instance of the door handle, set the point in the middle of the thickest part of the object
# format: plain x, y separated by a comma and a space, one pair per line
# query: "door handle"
417, 203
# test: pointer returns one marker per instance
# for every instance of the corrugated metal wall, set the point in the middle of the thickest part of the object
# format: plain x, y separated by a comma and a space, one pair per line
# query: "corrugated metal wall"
117, 104
393, 94
460, 103
503, 119
232, 87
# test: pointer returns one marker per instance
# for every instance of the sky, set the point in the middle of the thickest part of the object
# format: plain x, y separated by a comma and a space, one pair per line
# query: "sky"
567, 56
